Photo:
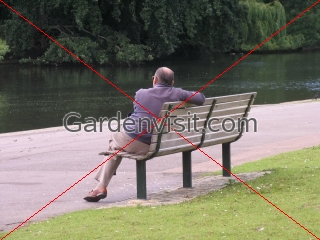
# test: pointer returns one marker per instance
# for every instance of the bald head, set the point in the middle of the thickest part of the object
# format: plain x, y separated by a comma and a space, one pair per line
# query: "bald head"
165, 75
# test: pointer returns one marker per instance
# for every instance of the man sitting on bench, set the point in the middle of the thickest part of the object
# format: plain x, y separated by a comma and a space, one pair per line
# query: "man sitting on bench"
151, 99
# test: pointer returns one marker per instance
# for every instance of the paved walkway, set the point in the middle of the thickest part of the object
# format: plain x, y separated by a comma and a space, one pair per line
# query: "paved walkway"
36, 166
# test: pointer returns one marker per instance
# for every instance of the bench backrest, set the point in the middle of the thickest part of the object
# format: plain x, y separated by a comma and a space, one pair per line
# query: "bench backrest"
202, 124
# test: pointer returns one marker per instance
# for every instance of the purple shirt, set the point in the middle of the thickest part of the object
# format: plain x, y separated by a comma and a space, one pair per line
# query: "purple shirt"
153, 100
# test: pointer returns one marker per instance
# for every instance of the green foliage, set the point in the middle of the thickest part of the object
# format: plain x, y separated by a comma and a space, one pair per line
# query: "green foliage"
4, 15
19, 41
161, 22
262, 21
214, 25
76, 24
82, 47
128, 31
133, 31
184, 25
4, 48
308, 25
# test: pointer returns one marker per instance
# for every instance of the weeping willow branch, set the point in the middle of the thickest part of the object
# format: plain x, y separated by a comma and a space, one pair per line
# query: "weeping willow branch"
263, 20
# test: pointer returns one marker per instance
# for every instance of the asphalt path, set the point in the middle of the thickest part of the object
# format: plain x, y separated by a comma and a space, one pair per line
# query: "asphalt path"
39, 166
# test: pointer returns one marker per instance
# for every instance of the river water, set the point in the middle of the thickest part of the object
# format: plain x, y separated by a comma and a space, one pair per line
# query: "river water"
34, 97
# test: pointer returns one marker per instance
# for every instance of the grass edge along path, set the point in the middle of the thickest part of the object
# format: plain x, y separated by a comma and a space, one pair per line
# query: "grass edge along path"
233, 212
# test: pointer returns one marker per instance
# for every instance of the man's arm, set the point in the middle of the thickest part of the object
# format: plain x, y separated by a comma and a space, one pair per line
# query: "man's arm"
197, 99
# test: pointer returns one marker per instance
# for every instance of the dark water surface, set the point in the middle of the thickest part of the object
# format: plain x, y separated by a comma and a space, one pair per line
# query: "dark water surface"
33, 97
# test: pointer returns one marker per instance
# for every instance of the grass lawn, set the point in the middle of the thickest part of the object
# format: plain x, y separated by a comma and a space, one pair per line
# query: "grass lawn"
234, 212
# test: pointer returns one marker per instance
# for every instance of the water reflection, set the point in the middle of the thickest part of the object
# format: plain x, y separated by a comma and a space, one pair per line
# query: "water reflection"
38, 97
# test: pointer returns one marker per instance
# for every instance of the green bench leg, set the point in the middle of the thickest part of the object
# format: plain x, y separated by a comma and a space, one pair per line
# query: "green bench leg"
186, 165
226, 159
141, 179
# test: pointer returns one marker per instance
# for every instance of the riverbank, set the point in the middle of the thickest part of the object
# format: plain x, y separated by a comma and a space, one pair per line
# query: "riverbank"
173, 57
36, 166
36, 97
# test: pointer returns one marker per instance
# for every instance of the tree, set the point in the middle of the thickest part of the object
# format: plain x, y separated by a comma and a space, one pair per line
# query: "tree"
4, 48
264, 19
308, 25
133, 31
4, 15
74, 23
212, 25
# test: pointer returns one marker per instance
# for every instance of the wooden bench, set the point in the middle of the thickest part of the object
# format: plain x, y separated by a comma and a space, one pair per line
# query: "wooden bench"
212, 114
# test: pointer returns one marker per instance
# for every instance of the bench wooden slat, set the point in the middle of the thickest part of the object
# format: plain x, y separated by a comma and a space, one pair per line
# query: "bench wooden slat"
175, 135
184, 114
169, 126
221, 106
177, 122
200, 123
221, 114
170, 133
124, 154
112, 152
188, 146
176, 141
235, 114
216, 113
172, 149
215, 126
233, 98
202, 111
193, 110
208, 101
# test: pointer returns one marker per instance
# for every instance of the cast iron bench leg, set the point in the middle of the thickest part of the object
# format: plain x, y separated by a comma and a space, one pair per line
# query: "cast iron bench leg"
186, 165
226, 161
141, 179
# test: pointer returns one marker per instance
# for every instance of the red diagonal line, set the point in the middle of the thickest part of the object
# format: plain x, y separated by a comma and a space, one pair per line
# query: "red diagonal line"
253, 50
196, 147
77, 58
74, 55
248, 186
45, 206
185, 100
